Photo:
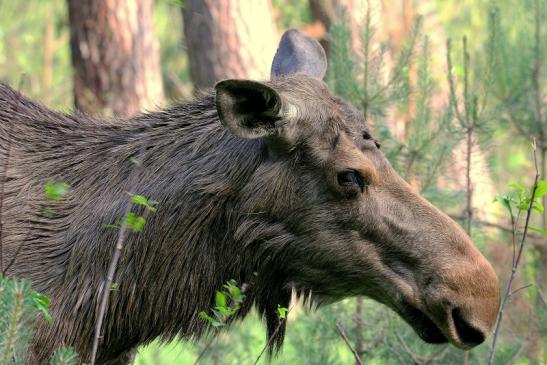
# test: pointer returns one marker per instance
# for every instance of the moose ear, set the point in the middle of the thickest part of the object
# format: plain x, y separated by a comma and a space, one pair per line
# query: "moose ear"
298, 53
249, 109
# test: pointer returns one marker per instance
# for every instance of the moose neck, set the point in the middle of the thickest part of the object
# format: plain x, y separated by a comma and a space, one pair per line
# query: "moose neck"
202, 234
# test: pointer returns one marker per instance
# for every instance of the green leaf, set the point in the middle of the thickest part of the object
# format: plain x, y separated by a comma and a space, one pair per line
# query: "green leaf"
41, 302
139, 224
538, 207
523, 205
135, 161
139, 200
130, 219
506, 202
220, 299
218, 314
206, 317
541, 189
538, 230
517, 187
55, 190
106, 226
282, 312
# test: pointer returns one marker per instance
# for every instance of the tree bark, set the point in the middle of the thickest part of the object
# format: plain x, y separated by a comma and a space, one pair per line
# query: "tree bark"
115, 55
228, 39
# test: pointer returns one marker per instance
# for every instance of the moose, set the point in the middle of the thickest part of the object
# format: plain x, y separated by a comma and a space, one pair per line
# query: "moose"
278, 184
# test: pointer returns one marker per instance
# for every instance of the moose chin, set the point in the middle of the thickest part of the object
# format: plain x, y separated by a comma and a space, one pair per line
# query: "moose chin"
277, 184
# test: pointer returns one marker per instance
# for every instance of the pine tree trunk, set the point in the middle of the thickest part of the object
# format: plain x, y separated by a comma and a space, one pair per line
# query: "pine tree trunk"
49, 40
229, 39
115, 55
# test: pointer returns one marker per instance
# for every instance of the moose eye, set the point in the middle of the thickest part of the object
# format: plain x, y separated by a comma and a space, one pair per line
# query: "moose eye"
350, 179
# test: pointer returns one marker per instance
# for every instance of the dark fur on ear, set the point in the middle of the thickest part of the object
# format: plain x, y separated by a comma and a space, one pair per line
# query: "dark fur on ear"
249, 109
298, 53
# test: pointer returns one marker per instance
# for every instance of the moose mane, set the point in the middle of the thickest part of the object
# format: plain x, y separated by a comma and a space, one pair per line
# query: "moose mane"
202, 234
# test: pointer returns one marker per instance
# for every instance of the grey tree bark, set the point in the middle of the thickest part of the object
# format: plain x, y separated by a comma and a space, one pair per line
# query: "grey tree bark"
115, 55
229, 39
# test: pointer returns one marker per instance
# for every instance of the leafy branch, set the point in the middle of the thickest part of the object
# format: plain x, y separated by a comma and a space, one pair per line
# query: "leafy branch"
228, 301
131, 222
521, 200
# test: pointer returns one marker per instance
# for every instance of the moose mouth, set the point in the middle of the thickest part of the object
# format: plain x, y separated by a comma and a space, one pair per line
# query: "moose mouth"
424, 327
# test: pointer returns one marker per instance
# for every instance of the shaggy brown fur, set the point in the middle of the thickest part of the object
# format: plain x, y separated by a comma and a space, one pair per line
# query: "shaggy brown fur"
275, 212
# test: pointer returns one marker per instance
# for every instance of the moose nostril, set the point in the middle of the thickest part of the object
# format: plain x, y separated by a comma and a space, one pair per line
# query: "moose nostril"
468, 335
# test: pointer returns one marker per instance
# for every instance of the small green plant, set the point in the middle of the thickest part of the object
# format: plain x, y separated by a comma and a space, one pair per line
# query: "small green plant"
282, 312
55, 190
64, 356
135, 222
518, 201
41, 303
227, 303
17, 313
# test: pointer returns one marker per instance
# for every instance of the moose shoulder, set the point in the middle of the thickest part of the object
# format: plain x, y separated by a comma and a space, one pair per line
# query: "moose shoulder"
275, 184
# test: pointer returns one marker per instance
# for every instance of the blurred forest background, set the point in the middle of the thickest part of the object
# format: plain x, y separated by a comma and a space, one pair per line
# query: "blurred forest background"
454, 89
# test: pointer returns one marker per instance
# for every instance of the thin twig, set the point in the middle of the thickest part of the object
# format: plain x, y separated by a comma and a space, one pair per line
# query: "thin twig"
115, 258
205, 349
417, 359
514, 268
110, 278
281, 321
541, 295
451, 84
533, 236
342, 333
521, 288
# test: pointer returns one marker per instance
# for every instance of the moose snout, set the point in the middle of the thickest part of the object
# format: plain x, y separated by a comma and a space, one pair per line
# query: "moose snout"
466, 306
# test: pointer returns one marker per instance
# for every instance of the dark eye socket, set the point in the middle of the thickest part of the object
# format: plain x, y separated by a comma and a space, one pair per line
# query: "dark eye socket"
351, 178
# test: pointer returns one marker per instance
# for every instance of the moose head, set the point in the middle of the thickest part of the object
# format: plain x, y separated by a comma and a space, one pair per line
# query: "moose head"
347, 223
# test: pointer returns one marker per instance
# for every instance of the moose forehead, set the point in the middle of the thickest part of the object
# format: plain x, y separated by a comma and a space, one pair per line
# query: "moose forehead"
320, 119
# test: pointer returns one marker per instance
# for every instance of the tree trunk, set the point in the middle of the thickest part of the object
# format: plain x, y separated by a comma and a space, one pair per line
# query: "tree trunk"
229, 39
115, 55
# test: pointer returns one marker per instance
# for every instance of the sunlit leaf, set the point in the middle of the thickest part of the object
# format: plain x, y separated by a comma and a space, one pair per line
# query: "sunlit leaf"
41, 302
139, 200
538, 230
55, 190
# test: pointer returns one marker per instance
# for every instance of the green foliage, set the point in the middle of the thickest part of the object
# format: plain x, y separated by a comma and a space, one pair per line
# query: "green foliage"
41, 303
64, 356
20, 306
143, 201
282, 312
292, 13
518, 199
55, 190
17, 313
135, 222
24, 45
227, 304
